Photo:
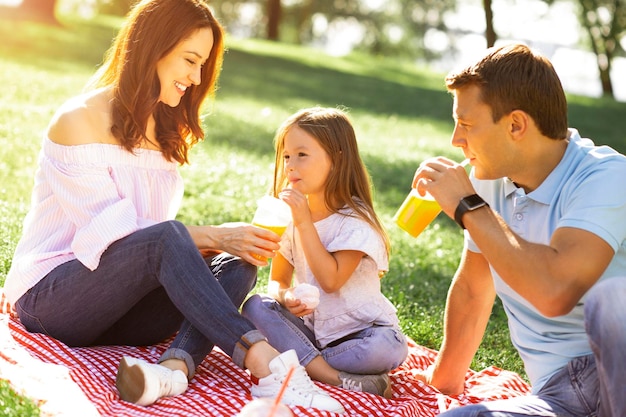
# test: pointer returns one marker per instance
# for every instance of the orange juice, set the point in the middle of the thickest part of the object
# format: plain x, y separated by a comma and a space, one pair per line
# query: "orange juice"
279, 230
416, 212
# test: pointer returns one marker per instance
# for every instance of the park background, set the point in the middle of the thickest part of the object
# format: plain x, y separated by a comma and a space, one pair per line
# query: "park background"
400, 109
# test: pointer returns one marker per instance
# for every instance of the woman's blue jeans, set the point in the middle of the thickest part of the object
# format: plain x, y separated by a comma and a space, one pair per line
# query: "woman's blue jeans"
589, 386
148, 286
374, 350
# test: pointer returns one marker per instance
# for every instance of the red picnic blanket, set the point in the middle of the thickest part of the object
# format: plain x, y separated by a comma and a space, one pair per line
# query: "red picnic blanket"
219, 388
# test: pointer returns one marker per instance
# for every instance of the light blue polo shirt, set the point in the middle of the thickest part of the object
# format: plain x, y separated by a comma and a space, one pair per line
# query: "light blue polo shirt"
587, 190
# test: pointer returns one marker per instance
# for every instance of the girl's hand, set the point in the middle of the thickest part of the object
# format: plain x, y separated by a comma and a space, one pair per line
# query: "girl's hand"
294, 305
299, 204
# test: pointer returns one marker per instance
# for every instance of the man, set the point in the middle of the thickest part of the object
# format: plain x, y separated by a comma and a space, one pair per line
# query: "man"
545, 218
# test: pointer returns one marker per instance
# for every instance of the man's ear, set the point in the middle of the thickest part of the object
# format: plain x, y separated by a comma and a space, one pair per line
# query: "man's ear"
519, 121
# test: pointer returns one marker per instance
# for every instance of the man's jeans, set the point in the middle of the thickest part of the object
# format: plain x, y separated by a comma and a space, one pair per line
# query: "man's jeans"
148, 286
589, 386
374, 350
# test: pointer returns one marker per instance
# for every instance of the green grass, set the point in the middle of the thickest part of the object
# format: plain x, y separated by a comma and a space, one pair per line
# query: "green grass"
13, 405
402, 115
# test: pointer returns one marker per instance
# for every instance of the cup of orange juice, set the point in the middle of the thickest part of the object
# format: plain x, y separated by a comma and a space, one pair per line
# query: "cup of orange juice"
272, 214
416, 212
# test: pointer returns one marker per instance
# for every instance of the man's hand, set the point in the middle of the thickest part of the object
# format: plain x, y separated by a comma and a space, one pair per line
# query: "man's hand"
446, 180
426, 376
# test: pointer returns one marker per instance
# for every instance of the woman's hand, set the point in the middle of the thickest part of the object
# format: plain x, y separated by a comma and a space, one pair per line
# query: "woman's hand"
239, 239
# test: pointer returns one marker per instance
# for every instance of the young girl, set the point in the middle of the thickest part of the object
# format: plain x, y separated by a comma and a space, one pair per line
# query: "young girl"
337, 244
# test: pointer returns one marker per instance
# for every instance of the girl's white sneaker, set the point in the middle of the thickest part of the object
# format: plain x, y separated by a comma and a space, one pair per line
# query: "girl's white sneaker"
299, 391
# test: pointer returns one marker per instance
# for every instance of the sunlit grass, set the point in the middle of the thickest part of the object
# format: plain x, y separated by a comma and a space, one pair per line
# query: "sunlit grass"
13, 405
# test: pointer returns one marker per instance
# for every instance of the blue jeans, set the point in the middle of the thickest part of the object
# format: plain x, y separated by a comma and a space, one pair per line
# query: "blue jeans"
374, 350
148, 286
589, 386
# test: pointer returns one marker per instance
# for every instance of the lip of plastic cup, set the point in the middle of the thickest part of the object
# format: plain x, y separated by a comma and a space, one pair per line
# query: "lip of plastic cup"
426, 196
272, 211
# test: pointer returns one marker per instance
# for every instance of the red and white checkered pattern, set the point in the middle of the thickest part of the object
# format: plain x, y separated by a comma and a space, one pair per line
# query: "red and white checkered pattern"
220, 388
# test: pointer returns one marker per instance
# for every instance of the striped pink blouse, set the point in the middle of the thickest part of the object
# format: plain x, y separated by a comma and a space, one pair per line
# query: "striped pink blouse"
84, 198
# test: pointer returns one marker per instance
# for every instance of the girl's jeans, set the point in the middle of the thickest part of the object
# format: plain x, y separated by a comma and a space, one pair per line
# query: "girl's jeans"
148, 286
589, 386
374, 350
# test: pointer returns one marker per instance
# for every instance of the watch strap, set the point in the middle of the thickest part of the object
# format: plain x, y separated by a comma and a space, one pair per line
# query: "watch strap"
469, 203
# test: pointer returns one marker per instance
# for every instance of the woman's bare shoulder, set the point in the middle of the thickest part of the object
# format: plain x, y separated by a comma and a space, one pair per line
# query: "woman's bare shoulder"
82, 120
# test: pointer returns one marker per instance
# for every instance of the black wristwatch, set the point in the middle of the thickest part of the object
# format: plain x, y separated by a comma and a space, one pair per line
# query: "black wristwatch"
469, 203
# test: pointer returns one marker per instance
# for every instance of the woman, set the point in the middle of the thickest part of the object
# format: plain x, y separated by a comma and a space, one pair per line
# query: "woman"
101, 260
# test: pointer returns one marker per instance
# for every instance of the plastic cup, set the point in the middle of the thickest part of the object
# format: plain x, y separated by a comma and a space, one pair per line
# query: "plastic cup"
272, 214
416, 212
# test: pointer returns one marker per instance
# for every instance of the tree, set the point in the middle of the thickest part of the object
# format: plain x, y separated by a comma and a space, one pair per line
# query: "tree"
605, 24
604, 21
273, 19
388, 27
490, 32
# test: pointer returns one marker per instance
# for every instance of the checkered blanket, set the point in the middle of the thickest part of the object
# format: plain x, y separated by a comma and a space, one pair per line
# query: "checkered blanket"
77, 382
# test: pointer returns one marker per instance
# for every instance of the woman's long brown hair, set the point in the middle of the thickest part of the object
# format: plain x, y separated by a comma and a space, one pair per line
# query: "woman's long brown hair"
152, 29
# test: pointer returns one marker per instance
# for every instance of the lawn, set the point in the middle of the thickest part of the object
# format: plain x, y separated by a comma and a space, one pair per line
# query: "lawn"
401, 113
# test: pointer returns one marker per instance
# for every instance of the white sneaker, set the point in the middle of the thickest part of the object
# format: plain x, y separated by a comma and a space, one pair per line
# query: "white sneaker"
144, 383
300, 389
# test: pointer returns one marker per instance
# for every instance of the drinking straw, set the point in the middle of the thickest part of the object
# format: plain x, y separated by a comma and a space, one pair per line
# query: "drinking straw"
281, 392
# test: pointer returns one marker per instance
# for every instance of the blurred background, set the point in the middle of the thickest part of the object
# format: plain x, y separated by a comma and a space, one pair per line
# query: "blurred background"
583, 38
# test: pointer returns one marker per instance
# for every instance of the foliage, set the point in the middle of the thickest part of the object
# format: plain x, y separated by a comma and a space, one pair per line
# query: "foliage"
605, 24
392, 27
386, 27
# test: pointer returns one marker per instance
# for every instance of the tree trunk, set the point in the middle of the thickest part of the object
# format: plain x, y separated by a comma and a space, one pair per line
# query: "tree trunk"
273, 19
604, 68
490, 32
602, 47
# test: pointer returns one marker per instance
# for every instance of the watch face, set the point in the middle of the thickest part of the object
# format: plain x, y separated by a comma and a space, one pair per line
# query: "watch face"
474, 201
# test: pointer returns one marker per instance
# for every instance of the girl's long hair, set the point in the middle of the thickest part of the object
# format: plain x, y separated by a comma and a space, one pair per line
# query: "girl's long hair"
348, 183
152, 29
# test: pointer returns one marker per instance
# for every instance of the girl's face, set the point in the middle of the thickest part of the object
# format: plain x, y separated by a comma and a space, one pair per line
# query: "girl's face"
307, 164
182, 66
